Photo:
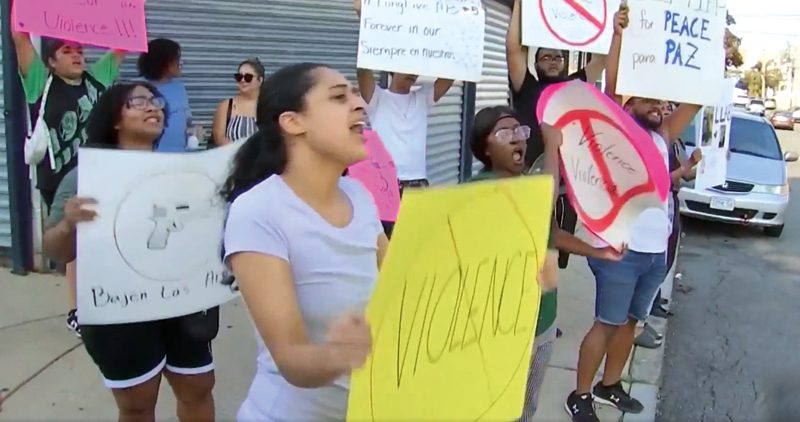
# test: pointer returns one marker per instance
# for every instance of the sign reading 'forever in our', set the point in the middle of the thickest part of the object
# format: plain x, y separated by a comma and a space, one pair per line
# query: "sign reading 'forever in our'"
569, 24
613, 169
118, 24
673, 50
379, 175
441, 38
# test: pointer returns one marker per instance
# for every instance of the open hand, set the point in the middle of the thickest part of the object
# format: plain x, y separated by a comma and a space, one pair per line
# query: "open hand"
349, 342
75, 210
621, 18
697, 155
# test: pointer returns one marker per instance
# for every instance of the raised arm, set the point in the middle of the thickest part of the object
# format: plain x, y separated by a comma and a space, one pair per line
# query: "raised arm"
516, 53
612, 60
26, 54
594, 69
440, 88
673, 125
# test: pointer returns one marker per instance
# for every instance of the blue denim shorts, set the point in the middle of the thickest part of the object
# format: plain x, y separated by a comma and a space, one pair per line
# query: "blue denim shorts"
626, 289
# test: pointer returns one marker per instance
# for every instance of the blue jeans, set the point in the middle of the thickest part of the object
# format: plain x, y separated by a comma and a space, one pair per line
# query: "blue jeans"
626, 289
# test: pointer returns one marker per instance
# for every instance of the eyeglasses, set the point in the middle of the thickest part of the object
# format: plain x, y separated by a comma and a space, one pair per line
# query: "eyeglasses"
141, 103
521, 133
550, 58
247, 77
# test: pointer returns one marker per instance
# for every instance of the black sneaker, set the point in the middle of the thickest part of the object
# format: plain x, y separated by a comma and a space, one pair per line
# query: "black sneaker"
72, 322
580, 407
615, 395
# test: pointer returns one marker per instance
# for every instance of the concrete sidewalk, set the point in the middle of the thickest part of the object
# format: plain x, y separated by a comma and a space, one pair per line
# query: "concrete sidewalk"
52, 377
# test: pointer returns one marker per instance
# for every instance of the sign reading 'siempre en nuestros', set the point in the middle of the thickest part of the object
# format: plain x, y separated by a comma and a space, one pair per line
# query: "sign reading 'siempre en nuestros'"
154, 250
674, 50
441, 38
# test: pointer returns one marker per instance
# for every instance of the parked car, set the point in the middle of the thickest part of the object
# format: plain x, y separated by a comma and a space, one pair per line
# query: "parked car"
770, 104
756, 106
796, 115
756, 191
782, 120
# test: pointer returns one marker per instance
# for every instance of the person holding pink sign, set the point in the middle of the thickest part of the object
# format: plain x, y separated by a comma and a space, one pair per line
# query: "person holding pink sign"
60, 92
625, 289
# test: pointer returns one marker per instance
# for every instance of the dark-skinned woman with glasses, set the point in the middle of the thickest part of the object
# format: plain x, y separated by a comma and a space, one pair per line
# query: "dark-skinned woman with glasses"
235, 118
133, 357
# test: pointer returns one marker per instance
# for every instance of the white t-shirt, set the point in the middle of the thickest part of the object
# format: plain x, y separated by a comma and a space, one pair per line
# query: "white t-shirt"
650, 233
401, 120
334, 270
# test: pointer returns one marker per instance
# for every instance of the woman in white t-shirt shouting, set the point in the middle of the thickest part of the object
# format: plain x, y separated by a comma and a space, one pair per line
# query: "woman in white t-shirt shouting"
304, 244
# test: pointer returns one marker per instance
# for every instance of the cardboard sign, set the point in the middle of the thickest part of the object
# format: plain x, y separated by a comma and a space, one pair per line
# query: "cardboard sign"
673, 51
441, 38
117, 24
379, 175
569, 24
456, 304
713, 133
613, 169
154, 251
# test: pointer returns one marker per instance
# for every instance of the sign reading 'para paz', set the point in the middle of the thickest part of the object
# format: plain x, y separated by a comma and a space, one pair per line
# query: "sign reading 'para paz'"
456, 305
613, 169
442, 38
118, 24
673, 50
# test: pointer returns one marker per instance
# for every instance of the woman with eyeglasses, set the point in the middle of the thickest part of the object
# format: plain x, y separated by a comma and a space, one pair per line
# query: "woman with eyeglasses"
235, 118
161, 65
133, 357
498, 140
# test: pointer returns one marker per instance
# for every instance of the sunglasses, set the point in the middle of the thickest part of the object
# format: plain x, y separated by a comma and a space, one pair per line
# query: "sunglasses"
141, 103
247, 77
521, 133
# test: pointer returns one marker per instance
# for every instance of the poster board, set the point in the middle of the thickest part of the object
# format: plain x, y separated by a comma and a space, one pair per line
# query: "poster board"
613, 169
378, 174
456, 304
673, 50
154, 251
713, 133
582, 25
442, 38
115, 24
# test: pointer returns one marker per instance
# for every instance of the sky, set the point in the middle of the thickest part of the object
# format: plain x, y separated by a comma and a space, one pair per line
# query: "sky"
765, 24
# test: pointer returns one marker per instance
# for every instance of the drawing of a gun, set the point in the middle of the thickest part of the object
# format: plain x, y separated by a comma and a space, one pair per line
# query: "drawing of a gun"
172, 218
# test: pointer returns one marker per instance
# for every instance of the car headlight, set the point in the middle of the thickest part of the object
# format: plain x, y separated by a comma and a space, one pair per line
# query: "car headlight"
772, 189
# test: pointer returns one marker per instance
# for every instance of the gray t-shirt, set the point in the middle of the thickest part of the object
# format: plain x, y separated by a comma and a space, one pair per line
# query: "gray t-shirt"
67, 189
334, 271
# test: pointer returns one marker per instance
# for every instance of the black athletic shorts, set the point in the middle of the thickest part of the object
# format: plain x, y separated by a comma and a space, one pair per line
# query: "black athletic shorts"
132, 354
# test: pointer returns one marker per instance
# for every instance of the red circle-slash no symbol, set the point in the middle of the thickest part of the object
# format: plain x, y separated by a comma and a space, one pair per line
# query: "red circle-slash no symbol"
579, 9
584, 119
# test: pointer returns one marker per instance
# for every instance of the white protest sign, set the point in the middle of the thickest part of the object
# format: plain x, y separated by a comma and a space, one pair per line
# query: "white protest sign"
583, 25
439, 38
154, 251
673, 50
713, 133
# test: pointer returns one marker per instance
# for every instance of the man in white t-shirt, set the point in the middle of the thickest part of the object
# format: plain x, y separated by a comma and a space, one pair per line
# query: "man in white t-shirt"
400, 116
625, 289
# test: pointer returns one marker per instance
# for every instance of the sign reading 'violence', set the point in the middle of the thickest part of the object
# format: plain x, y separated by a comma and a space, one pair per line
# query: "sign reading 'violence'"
585, 25
613, 168
673, 50
442, 38
118, 24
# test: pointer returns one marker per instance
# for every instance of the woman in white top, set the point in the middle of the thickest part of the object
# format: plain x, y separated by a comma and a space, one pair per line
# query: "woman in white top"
304, 244
235, 117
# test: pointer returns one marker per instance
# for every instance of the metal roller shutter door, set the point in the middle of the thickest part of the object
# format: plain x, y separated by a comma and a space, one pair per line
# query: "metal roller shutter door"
492, 90
5, 211
444, 137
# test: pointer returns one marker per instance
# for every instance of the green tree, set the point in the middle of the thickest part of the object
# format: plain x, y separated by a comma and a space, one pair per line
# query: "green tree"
773, 77
753, 80
733, 58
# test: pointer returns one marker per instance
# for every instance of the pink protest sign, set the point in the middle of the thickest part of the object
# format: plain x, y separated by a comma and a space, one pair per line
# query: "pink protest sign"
614, 169
379, 176
117, 24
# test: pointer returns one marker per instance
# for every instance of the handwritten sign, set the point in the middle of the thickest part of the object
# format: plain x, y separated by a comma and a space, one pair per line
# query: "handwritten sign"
118, 24
442, 38
613, 169
713, 135
379, 175
673, 50
456, 305
158, 231
585, 25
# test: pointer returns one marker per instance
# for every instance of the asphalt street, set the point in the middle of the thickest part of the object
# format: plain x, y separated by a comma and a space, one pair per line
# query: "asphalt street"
732, 345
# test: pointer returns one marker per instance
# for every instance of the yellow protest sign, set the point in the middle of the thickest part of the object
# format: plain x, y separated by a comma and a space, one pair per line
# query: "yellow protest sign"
454, 311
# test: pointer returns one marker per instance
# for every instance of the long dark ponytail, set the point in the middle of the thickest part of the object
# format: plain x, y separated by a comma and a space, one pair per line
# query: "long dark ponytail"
264, 154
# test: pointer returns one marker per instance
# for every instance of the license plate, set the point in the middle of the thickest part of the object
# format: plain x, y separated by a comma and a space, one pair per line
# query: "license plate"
724, 204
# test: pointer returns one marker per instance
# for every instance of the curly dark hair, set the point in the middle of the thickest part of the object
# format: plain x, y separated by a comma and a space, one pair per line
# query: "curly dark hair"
100, 129
161, 54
